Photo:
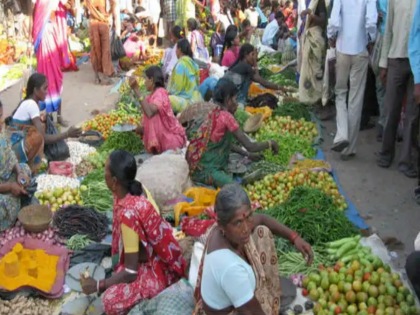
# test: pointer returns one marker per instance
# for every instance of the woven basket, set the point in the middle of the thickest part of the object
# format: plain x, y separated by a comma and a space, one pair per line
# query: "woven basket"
254, 123
35, 219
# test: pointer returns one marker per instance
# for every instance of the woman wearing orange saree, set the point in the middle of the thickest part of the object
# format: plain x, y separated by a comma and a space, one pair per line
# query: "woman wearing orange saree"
161, 130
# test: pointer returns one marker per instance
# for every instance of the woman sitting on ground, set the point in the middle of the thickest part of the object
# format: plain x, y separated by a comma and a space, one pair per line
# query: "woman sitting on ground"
233, 277
196, 39
245, 70
169, 58
27, 132
160, 129
150, 258
231, 48
14, 177
185, 79
210, 146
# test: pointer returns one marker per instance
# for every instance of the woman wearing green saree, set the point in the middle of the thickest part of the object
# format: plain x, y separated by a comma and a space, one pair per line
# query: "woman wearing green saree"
185, 79
209, 149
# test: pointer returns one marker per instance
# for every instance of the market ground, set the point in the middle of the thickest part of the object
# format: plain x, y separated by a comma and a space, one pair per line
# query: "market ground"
383, 197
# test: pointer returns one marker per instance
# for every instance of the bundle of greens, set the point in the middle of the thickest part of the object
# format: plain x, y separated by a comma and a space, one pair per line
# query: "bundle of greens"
314, 216
294, 110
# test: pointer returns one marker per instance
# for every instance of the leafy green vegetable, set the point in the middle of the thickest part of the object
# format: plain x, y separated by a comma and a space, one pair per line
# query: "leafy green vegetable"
294, 110
128, 141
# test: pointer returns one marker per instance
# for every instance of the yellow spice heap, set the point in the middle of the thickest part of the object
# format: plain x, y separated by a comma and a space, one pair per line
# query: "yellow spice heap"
26, 267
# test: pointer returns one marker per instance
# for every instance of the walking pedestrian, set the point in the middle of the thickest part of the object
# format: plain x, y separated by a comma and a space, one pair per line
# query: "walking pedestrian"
351, 30
396, 74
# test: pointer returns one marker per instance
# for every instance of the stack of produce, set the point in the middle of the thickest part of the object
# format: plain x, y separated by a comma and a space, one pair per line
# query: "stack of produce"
92, 162
359, 288
60, 197
314, 215
128, 141
265, 168
104, 122
270, 59
97, 195
288, 146
76, 220
51, 182
288, 126
275, 189
25, 305
17, 231
78, 151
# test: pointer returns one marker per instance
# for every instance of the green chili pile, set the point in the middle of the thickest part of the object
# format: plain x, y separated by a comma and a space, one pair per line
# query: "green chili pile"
314, 216
288, 145
128, 141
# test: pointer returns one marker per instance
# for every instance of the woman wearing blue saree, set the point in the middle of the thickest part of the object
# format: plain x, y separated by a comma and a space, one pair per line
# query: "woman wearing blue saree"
185, 79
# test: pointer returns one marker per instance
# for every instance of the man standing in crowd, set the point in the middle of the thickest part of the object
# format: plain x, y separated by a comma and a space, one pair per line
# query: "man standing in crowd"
380, 87
269, 37
398, 79
351, 30
169, 12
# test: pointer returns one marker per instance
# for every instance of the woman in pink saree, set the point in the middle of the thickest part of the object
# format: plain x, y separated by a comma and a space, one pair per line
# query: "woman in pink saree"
50, 44
161, 130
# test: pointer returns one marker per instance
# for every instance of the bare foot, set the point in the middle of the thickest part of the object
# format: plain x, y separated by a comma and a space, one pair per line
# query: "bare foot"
62, 122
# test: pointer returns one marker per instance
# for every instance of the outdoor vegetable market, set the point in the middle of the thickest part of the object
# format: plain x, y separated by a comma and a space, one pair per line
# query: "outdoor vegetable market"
203, 190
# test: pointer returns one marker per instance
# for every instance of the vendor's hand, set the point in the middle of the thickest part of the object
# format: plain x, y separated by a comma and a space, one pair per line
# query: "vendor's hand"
74, 132
305, 249
89, 285
274, 147
17, 190
23, 177
255, 157
132, 81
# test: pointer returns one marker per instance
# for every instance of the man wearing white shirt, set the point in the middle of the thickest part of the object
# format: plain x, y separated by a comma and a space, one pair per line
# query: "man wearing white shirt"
270, 32
352, 27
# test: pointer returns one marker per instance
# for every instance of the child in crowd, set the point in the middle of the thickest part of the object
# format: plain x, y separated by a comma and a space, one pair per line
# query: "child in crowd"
196, 39
247, 31
130, 26
275, 7
136, 45
218, 38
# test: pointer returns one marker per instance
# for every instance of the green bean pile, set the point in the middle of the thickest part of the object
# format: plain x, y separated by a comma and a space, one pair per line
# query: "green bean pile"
128, 141
295, 110
314, 216
97, 194
292, 263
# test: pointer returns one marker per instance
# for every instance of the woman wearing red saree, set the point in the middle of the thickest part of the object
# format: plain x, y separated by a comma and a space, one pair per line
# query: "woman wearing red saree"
150, 258
161, 130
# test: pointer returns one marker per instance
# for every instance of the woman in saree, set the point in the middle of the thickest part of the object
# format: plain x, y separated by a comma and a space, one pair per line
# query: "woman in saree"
245, 71
238, 272
25, 128
185, 79
13, 179
160, 129
313, 49
209, 149
150, 258
49, 34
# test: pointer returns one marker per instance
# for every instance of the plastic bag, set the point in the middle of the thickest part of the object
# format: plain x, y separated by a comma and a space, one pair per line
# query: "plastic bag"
329, 76
117, 47
166, 176
58, 151
61, 168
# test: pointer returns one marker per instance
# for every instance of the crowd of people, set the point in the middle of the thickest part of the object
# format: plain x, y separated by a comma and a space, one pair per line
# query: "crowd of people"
381, 34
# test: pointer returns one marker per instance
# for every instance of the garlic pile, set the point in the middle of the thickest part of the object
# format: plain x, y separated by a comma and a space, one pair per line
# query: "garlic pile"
78, 151
50, 182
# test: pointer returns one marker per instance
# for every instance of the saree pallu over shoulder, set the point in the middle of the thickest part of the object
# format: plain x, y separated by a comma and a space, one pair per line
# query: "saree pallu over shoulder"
261, 254
313, 48
27, 143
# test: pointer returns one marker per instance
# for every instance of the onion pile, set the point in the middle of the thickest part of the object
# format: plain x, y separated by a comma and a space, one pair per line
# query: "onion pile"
78, 151
50, 182
49, 236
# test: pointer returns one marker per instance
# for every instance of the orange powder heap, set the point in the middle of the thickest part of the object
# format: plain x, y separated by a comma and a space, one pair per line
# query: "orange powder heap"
26, 267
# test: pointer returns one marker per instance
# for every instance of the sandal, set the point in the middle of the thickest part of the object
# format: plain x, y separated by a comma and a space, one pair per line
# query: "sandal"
384, 161
408, 170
